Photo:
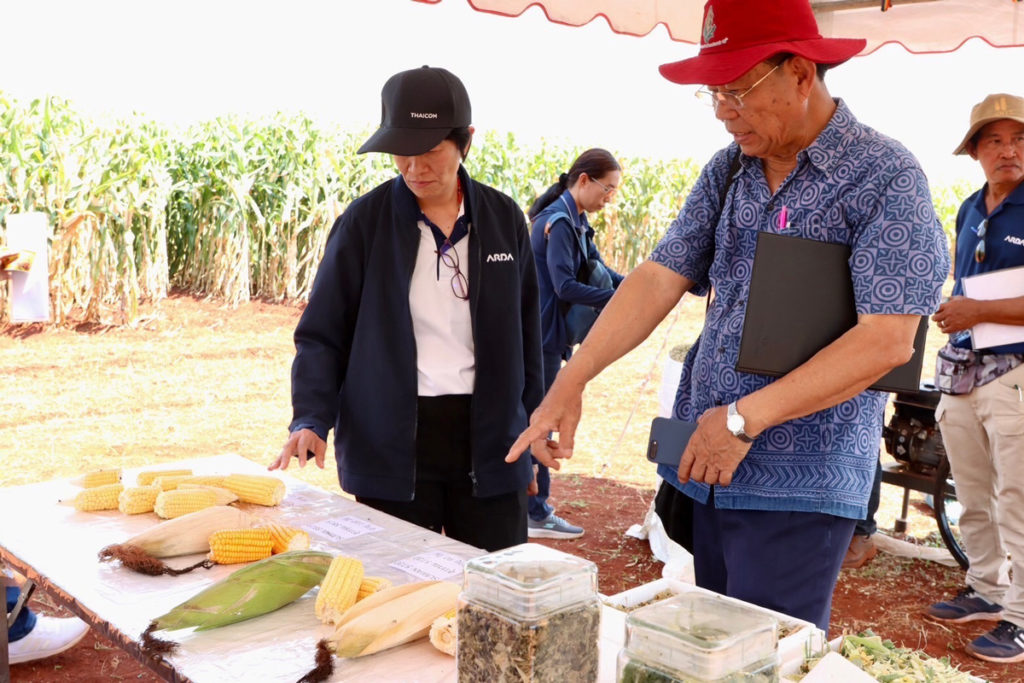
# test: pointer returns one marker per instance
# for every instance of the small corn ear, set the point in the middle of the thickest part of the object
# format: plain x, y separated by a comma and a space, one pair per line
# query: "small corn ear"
235, 546
137, 499
255, 488
98, 478
98, 498
146, 478
288, 538
339, 589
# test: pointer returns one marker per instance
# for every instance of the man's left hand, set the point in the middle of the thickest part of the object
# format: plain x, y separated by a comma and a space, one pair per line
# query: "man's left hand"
713, 453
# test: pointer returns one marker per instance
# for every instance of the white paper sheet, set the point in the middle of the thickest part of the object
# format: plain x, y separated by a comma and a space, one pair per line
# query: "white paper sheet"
999, 284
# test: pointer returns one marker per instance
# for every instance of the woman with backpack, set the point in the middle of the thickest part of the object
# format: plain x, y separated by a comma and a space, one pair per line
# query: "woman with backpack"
568, 267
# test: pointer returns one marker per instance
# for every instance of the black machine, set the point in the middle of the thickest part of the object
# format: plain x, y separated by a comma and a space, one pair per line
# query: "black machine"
912, 437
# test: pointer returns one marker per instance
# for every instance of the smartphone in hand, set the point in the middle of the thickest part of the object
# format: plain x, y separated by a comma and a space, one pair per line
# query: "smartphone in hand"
668, 440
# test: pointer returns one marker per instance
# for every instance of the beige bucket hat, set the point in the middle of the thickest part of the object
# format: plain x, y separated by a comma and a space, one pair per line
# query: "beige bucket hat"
993, 108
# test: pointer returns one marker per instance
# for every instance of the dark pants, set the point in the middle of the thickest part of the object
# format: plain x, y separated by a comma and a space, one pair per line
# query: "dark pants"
538, 505
785, 561
26, 620
867, 526
443, 499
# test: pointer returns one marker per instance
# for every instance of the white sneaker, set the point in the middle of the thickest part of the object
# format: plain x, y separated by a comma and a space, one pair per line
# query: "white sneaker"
50, 636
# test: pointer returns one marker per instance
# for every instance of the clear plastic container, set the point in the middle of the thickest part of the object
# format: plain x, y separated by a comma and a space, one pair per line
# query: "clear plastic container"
528, 613
699, 639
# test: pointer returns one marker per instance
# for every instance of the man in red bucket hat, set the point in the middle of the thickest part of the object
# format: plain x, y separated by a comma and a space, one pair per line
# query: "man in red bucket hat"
779, 469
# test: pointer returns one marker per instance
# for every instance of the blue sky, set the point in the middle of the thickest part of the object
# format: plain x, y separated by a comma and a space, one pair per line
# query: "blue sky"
190, 60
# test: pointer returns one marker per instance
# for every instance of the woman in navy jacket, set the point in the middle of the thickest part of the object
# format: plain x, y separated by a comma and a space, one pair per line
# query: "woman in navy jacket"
421, 340
560, 227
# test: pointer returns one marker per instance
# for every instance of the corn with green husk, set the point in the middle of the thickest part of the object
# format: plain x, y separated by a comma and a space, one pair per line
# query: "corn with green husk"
252, 591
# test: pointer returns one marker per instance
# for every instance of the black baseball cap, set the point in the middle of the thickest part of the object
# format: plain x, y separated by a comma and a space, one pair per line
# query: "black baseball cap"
419, 108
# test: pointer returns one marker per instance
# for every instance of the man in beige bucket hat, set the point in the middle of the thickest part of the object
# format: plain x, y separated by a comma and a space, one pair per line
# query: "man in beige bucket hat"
981, 412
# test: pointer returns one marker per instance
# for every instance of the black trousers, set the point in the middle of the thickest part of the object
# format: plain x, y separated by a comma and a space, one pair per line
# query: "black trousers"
443, 500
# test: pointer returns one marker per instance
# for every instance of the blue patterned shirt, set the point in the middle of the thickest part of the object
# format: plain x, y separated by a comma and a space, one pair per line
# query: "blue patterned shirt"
851, 185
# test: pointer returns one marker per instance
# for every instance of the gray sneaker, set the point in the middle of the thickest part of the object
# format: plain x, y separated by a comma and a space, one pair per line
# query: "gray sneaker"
552, 527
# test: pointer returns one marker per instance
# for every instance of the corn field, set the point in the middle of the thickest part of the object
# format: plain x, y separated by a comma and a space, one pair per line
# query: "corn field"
236, 208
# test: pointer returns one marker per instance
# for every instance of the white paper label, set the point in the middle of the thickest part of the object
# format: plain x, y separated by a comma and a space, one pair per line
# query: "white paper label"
343, 528
431, 566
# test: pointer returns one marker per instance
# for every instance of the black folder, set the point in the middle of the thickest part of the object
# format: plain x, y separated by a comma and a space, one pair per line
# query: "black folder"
801, 300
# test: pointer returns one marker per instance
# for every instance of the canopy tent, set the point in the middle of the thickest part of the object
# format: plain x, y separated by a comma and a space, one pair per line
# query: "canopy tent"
920, 26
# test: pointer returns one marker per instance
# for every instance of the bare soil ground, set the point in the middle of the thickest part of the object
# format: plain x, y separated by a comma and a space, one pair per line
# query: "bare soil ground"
195, 378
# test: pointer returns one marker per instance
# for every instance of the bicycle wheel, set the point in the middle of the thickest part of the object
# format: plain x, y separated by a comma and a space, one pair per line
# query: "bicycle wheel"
939, 501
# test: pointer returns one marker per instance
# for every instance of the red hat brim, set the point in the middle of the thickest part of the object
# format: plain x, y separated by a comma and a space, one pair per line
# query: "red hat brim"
717, 66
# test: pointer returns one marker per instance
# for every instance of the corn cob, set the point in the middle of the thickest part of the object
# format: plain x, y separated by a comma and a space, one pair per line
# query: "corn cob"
249, 592
288, 538
224, 496
171, 504
98, 478
98, 498
235, 546
203, 479
370, 585
169, 482
443, 632
146, 478
255, 488
137, 499
339, 589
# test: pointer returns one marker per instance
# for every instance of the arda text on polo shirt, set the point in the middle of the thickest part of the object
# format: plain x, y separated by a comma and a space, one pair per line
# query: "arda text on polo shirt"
499, 257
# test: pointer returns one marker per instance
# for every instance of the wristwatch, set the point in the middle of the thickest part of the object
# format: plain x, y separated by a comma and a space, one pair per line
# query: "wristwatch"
735, 423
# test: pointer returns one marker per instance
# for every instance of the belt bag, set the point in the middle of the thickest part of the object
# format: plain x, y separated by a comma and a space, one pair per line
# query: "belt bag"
955, 370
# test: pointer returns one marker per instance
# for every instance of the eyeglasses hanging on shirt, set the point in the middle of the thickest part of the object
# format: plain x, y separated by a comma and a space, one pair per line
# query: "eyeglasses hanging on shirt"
446, 252
979, 251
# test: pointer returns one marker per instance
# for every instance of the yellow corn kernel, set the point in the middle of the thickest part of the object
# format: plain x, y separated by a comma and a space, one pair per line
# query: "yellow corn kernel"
137, 499
146, 478
203, 479
98, 478
370, 585
288, 538
234, 546
171, 504
255, 488
339, 588
169, 482
98, 498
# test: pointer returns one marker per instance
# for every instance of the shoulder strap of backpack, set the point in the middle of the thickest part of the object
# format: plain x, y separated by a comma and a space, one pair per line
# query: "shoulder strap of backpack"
734, 167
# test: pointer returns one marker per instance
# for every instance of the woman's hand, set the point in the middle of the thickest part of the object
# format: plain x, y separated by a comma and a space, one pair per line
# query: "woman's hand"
301, 444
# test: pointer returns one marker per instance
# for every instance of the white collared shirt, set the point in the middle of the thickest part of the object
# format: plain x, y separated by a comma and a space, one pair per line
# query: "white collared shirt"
441, 323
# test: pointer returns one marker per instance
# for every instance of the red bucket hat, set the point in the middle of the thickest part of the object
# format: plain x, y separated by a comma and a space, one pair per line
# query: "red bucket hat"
738, 34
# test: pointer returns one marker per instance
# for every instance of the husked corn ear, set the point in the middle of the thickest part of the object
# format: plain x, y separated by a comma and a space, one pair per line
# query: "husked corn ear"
98, 498
146, 478
169, 482
443, 632
339, 588
234, 546
224, 496
255, 488
171, 504
288, 538
203, 479
137, 499
98, 478
372, 584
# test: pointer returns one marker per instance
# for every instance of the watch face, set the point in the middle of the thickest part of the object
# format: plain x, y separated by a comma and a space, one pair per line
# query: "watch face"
734, 423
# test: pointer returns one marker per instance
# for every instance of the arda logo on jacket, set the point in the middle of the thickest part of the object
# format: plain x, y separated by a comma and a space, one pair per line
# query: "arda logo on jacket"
499, 257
